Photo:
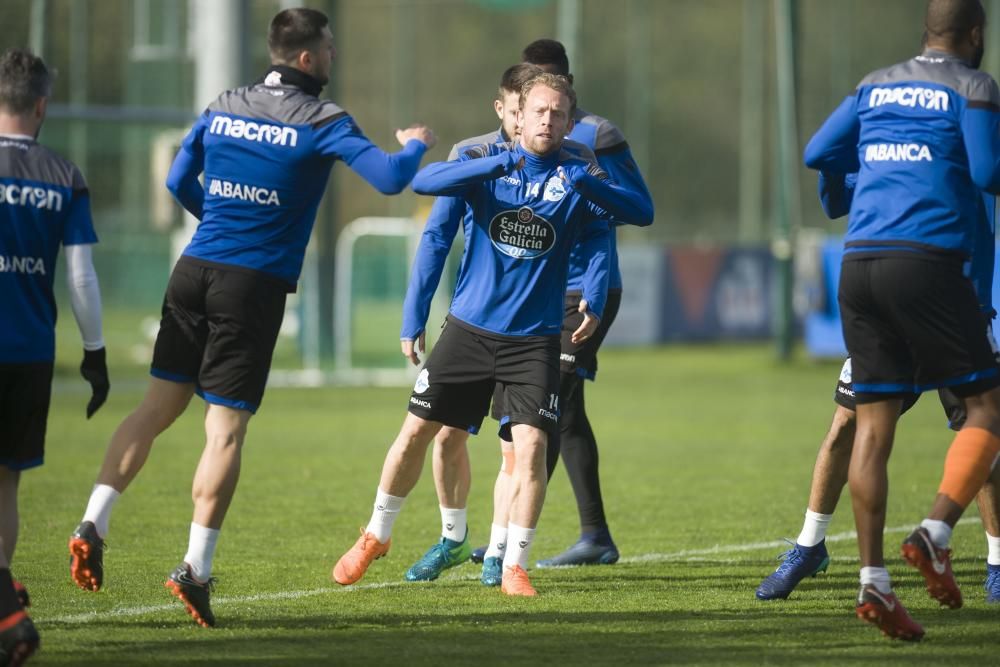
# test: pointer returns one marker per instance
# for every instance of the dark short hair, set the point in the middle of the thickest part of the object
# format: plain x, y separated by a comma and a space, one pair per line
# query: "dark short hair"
953, 19
547, 52
515, 76
293, 31
24, 79
556, 82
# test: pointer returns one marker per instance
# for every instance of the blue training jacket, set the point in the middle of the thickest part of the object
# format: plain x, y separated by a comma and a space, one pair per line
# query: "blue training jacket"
446, 216
266, 151
44, 203
524, 224
836, 192
613, 154
924, 139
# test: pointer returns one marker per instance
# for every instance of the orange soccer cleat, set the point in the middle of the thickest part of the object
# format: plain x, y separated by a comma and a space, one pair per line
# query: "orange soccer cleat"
353, 564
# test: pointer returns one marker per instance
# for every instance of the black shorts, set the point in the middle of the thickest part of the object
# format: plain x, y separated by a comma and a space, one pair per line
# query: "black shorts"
458, 379
913, 324
581, 358
954, 407
218, 330
25, 391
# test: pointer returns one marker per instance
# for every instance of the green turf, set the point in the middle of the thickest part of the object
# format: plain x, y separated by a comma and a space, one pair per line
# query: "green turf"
701, 447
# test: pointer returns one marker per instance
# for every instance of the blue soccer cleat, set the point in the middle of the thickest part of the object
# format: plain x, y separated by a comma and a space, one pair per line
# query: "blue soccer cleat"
492, 571
443, 555
479, 554
992, 585
584, 552
798, 563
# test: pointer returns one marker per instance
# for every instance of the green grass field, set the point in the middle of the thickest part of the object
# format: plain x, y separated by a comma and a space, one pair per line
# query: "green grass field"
706, 459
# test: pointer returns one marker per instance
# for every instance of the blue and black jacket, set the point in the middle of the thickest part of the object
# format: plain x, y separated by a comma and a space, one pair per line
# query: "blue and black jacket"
266, 151
524, 224
923, 137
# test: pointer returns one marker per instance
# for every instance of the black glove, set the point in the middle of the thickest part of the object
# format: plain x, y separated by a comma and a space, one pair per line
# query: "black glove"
94, 370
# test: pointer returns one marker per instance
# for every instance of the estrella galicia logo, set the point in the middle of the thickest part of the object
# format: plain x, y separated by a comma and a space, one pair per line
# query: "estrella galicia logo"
522, 234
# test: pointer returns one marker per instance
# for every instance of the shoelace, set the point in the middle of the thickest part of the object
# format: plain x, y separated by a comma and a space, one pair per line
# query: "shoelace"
791, 557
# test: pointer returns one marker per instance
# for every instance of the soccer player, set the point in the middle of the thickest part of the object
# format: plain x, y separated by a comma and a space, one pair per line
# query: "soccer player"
532, 202
266, 151
923, 137
809, 555
44, 203
452, 474
578, 361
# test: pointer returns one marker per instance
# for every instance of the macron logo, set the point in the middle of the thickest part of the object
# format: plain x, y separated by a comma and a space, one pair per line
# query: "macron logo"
897, 153
30, 197
909, 96
250, 193
248, 130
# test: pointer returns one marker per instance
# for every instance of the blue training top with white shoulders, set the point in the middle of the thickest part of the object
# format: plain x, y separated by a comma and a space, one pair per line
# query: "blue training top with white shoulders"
266, 151
44, 203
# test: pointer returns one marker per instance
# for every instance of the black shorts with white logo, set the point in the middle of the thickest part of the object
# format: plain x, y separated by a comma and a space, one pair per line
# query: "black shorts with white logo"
218, 330
581, 358
954, 407
913, 324
25, 392
458, 379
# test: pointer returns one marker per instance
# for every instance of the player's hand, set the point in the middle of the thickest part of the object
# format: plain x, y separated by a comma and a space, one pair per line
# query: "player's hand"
568, 175
420, 132
587, 327
410, 348
94, 370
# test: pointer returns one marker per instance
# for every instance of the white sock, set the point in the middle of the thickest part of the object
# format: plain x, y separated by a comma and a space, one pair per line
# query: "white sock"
877, 577
384, 514
201, 549
813, 528
994, 549
453, 523
519, 541
939, 530
102, 499
498, 542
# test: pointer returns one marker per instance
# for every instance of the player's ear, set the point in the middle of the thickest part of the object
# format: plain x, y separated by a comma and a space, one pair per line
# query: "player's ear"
498, 108
41, 104
305, 61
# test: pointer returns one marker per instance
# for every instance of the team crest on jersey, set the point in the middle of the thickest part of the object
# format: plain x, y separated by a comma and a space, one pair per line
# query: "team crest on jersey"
554, 189
423, 382
522, 234
845, 372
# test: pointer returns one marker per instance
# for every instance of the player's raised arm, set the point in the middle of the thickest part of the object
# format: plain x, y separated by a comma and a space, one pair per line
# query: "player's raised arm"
453, 178
432, 253
624, 205
389, 173
834, 147
836, 192
182, 180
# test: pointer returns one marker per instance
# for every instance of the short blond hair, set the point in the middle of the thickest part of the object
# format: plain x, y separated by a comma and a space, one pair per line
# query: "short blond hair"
556, 82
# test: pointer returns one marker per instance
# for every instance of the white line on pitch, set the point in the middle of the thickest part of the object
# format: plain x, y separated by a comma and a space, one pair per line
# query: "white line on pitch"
688, 554
756, 546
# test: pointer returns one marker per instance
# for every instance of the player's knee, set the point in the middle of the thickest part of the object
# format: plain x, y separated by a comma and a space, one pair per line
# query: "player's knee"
983, 410
842, 428
451, 439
